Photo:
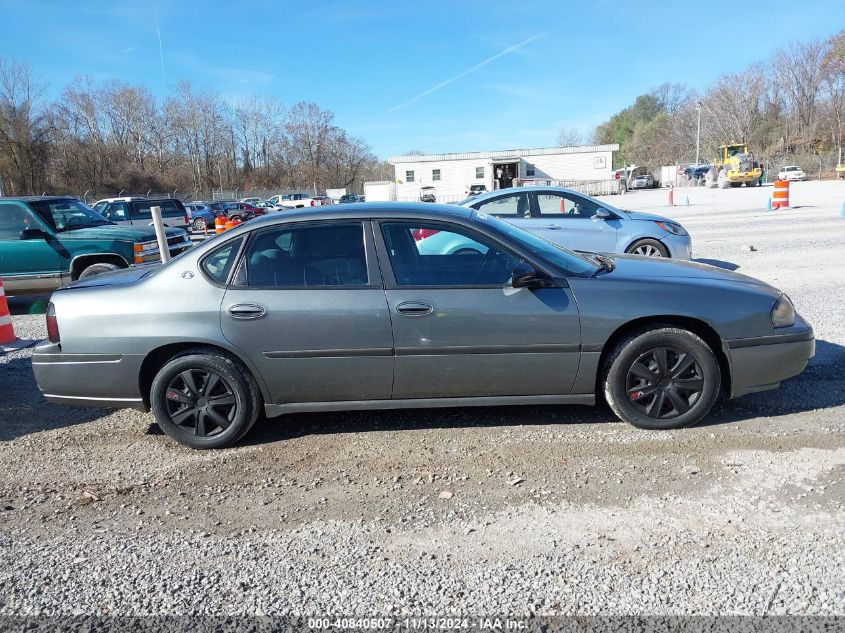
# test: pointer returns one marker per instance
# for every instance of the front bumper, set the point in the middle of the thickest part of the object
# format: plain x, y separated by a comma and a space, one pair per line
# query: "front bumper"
92, 380
680, 246
761, 363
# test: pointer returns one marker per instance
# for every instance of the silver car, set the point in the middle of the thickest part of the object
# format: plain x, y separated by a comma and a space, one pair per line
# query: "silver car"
583, 223
344, 308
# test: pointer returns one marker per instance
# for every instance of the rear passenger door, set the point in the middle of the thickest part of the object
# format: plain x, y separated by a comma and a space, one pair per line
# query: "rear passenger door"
307, 305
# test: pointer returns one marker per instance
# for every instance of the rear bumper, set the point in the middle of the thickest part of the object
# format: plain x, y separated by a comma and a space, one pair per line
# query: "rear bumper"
762, 363
93, 380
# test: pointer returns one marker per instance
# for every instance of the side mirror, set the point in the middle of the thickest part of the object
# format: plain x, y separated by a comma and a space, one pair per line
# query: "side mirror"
32, 233
525, 276
602, 214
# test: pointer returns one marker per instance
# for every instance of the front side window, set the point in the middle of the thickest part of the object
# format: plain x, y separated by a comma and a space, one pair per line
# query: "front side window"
515, 206
479, 172
320, 255
117, 211
409, 176
563, 206
435, 174
424, 254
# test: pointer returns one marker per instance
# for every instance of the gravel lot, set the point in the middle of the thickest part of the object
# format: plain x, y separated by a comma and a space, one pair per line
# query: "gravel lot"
465, 511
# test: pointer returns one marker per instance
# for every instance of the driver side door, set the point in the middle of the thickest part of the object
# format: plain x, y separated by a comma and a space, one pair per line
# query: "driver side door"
460, 329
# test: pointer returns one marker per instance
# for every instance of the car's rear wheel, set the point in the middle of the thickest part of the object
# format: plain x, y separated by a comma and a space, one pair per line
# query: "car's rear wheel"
98, 269
236, 217
663, 378
648, 248
205, 399
199, 224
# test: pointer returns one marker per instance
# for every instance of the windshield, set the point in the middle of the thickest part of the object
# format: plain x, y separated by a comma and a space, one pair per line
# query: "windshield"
558, 256
66, 215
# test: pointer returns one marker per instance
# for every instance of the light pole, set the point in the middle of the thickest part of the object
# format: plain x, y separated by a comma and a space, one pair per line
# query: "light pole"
698, 133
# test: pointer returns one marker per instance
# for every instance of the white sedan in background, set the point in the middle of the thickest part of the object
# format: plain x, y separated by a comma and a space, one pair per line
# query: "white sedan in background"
792, 172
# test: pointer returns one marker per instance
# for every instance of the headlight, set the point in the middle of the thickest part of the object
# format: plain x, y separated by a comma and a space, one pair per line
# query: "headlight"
671, 227
783, 312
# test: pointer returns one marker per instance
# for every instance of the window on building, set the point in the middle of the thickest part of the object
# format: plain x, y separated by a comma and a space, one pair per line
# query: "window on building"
529, 170
409, 176
479, 172
435, 174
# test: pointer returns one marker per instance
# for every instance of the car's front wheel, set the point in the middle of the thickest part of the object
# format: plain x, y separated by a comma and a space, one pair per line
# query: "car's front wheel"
663, 378
648, 248
199, 224
203, 398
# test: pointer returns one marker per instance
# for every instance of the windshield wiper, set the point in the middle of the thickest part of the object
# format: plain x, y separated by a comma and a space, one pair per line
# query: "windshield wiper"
605, 262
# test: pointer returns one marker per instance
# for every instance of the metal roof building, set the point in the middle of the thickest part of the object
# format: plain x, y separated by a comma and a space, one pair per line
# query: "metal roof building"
449, 176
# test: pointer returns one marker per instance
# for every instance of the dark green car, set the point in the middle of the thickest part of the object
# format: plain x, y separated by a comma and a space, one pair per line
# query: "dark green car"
49, 241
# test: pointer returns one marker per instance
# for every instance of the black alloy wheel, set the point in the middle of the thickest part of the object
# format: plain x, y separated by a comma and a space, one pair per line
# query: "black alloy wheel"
664, 383
201, 401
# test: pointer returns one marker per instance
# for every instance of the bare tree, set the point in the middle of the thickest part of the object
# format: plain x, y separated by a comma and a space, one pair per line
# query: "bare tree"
799, 75
570, 137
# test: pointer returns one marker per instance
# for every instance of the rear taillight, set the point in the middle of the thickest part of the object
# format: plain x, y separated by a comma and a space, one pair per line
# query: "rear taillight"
52, 324
187, 220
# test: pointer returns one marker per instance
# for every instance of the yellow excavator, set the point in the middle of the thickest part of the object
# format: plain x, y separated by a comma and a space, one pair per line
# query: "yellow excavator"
736, 165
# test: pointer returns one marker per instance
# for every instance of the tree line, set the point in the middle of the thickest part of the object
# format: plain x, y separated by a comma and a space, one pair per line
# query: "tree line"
111, 136
789, 109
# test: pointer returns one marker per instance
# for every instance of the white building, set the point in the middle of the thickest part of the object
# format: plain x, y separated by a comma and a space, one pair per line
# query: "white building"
451, 175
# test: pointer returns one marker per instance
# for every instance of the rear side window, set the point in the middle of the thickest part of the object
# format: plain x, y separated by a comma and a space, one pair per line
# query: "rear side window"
562, 206
14, 218
141, 210
219, 263
308, 256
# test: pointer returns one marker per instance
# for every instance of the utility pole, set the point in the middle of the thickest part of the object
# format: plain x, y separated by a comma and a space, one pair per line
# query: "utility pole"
698, 133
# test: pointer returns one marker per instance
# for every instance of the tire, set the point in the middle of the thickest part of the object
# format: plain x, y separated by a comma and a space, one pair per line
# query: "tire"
648, 248
466, 251
751, 183
237, 217
186, 381
736, 184
634, 368
199, 224
97, 269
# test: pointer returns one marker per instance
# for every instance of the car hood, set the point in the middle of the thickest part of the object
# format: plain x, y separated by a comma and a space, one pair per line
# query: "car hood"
639, 215
117, 232
121, 277
639, 268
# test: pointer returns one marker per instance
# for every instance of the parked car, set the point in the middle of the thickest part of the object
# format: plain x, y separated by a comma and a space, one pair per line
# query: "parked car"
325, 310
475, 190
583, 223
252, 201
792, 172
138, 212
350, 197
294, 201
100, 205
698, 170
322, 200
643, 181
201, 215
428, 194
234, 210
47, 241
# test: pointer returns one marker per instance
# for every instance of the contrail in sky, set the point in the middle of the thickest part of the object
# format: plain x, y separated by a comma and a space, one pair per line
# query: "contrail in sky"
472, 69
160, 46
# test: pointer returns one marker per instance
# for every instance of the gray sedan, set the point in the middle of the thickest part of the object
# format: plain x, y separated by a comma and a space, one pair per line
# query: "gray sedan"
582, 223
344, 308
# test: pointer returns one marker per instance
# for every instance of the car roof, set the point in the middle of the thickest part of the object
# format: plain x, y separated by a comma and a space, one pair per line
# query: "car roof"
37, 198
368, 210
487, 195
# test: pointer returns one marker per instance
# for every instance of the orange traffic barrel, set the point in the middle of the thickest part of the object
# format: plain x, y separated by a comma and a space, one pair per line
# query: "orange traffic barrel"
7, 332
219, 224
780, 197
229, 225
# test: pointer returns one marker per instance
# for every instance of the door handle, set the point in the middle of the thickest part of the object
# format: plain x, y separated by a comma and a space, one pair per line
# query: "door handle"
553, 227
246, 311
414, 308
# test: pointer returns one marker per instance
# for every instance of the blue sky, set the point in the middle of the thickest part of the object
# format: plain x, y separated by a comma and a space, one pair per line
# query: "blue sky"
438, 76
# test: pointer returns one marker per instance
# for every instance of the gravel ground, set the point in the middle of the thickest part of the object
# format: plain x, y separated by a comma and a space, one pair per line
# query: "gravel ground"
464, 511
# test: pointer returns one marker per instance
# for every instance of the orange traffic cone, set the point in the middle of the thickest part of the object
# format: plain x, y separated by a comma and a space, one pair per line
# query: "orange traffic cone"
219, 224
8, 340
